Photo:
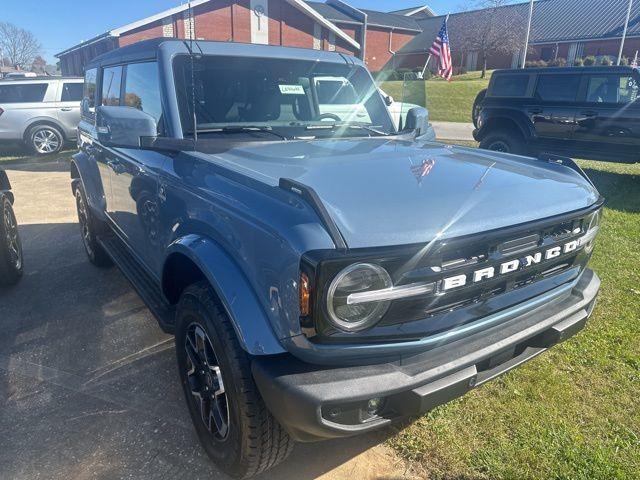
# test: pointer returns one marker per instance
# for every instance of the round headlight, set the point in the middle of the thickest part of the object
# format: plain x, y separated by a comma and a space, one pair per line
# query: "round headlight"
357, 278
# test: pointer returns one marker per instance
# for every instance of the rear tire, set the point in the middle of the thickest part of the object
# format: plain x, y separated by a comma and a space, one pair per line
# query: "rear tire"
239, 434
505, 141
11, 260
89, 229
44, 139
475, 113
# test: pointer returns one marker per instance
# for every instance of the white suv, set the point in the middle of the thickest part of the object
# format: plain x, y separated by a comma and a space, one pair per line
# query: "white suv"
43, 112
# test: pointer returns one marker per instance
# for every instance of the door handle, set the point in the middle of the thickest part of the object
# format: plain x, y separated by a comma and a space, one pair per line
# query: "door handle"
589, 113
116, 166
66, 109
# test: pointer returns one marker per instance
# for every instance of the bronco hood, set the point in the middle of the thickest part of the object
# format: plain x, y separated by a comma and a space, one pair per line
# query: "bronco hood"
383, 192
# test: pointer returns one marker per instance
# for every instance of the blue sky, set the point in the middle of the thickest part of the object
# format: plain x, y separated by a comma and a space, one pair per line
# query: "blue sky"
62, 23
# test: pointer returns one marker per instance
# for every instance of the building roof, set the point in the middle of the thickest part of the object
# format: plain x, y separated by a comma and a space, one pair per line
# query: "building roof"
424, 9
374, 18
553, 21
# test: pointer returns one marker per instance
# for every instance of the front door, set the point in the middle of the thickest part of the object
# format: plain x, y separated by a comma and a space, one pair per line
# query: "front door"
608, 120
553, 109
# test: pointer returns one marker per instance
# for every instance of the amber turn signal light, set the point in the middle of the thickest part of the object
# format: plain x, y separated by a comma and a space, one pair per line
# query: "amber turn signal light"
305, 295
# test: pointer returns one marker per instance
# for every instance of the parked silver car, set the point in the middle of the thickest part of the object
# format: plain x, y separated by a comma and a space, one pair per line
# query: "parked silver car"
43, 112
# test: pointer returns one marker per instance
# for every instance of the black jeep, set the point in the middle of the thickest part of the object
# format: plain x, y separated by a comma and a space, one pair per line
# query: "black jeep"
10, 245
588, 112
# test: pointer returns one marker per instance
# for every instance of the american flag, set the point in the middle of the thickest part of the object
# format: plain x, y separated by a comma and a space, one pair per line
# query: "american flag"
422, 170
442, 51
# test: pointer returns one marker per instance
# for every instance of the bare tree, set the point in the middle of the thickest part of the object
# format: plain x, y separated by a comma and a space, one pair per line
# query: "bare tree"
491, 30
18, 45
39, 65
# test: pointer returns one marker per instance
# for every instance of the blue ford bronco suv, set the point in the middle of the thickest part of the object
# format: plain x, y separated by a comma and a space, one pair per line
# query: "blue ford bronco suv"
323, 273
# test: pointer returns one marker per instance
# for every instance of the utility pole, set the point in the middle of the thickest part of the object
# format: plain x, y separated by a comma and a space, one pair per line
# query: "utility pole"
526, 39
624, 33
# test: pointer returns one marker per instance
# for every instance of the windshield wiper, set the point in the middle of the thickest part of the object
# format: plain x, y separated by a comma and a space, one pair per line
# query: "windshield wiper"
356, 126
242, 129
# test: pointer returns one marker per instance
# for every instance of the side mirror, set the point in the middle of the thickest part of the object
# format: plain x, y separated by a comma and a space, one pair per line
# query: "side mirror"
123, 126
389, 100
417, 121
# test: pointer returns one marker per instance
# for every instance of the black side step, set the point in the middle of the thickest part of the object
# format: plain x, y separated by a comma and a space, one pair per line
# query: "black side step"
144, 284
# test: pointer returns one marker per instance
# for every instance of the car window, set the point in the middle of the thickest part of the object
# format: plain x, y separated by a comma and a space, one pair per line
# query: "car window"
510, 85
142, 88
111, 84
335, 91
71, 92
23, 93
612, 89
558, 88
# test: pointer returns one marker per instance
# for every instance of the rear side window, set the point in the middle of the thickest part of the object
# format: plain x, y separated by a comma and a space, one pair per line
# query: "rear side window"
23, 93
612, 89
71, 92
111, 85
558, 88
142, 88
510, 85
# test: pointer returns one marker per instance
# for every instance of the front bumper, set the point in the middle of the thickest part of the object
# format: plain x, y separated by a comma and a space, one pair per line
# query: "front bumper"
315, 403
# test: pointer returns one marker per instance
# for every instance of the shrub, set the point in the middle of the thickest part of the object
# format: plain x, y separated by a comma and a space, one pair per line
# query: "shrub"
579, 62
625, 61
558, 62
590, 61
536, 64
606, 61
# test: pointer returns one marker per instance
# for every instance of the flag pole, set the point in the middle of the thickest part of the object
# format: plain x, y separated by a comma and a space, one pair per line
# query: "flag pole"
426, 65
624, 33
523, 62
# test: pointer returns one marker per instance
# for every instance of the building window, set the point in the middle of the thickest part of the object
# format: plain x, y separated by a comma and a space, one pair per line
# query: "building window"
167, 27
332, 41
189, 26
317, 36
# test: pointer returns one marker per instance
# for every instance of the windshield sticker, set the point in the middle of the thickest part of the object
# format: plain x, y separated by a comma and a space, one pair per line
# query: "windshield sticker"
292, 90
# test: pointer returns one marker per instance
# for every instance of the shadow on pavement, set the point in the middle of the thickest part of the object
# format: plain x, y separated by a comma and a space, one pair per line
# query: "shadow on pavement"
88, 385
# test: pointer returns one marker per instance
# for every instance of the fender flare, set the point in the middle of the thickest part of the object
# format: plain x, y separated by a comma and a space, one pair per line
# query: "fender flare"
5, 186
521, 122
85, 170
251, 323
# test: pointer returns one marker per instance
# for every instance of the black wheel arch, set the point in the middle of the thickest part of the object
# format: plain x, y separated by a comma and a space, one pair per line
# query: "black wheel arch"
506, 120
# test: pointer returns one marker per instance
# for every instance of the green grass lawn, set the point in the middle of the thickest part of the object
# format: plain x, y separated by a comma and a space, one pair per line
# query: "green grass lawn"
17, 153
574, 412
446, 101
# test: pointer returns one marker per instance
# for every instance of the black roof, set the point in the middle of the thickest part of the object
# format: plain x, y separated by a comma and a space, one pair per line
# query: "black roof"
553, 21
374, 18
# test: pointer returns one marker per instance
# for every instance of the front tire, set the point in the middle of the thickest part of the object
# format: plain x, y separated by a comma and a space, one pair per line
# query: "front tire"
45, 139
11, 260
234, 426
505, 141
89, 228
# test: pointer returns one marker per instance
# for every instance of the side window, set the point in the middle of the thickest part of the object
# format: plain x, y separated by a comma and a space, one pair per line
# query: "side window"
111, 85
142, 88
621, 89
23, 93
335, 92
71, 92
510, 85
558, 88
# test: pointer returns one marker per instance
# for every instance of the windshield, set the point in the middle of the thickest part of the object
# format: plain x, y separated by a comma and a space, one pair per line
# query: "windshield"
278, 98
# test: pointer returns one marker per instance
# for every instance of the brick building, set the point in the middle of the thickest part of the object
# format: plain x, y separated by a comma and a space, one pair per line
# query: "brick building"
333, 26
568, 29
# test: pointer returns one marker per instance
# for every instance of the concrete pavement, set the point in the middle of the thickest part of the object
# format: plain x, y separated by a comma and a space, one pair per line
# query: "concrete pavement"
88, 382
454, 131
